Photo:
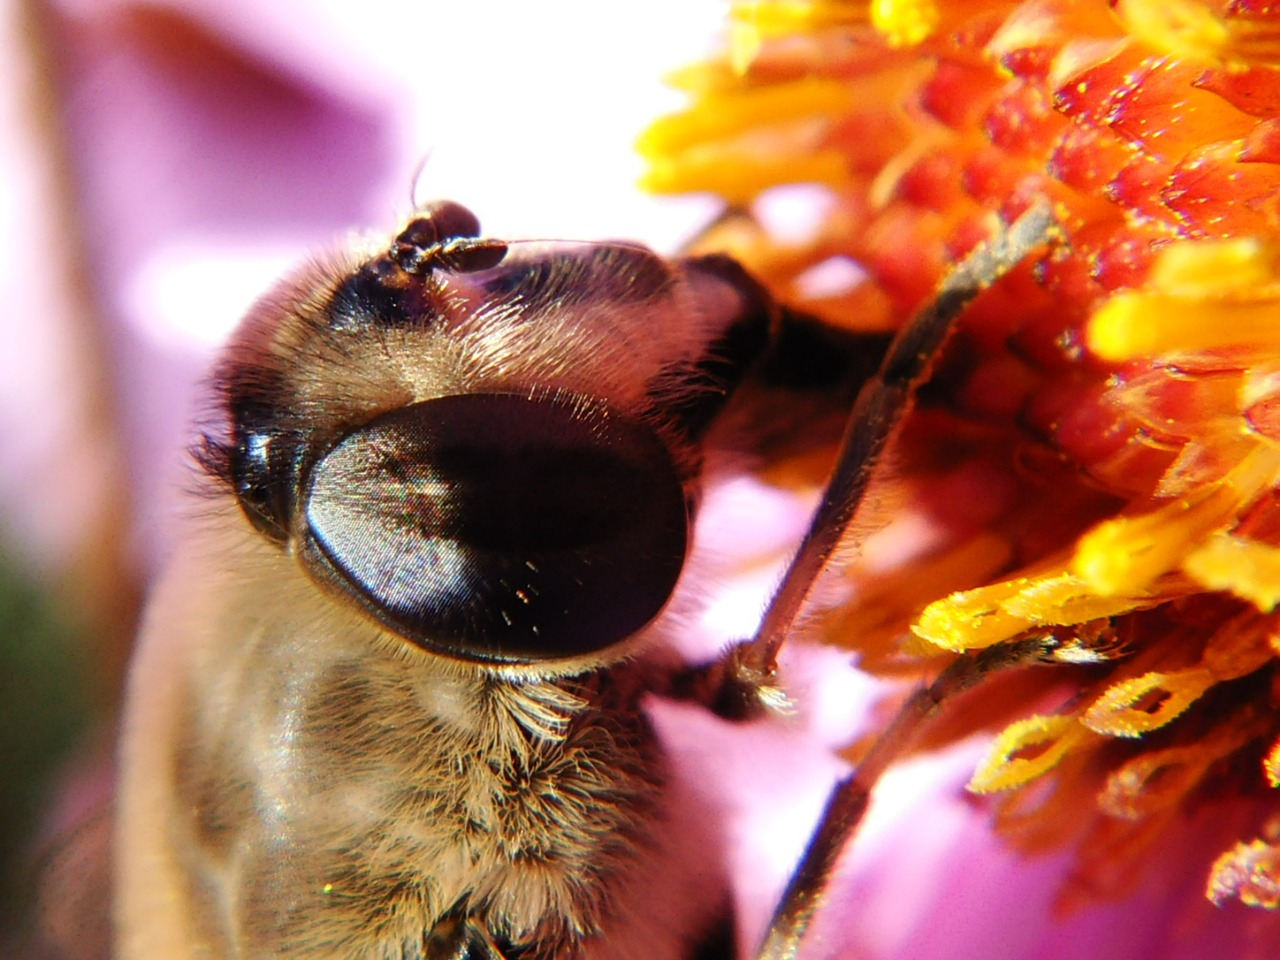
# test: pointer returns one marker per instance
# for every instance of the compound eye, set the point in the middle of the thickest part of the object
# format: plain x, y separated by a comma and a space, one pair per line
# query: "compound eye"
494, 527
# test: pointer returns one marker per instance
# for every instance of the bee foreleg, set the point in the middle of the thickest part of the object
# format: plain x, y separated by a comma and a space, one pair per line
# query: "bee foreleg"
880, 407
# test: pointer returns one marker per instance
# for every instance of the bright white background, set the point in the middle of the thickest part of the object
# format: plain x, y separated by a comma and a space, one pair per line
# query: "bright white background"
156, 185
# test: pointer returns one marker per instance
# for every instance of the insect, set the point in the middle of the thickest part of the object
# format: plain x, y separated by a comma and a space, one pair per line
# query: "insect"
387, 699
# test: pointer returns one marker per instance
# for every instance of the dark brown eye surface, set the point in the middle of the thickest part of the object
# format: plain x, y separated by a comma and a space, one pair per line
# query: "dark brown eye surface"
501, 528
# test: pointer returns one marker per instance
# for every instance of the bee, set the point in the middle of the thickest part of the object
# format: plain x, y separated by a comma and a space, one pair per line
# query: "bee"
387, 701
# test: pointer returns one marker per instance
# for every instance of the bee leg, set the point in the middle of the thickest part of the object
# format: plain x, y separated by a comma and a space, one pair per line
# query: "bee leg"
880, 407
752, 667
1079, 645
743, 683
457, 936
850, 798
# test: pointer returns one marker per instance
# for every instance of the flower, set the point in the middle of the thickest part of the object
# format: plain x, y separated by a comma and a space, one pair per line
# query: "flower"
1097, 450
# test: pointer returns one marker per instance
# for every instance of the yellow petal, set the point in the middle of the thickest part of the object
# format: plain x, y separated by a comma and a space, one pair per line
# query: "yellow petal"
973, 619
1249, 569
1184, 28
1124, 556
1134, 325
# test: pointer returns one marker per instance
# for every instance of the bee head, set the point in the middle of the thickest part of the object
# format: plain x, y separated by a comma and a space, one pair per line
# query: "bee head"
491, 449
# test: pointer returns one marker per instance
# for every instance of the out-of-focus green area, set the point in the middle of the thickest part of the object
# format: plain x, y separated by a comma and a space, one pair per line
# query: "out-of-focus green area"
44, 716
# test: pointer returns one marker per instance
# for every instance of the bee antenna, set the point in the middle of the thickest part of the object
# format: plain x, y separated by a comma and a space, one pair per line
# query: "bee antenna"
578, 242
416, 200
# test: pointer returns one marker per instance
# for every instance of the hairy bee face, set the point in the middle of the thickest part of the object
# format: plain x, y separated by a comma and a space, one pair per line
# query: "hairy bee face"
493, 451
387, 700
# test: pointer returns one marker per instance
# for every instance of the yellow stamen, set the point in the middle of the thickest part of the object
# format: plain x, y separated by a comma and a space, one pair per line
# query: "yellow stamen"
1135, 325
971, 619
780, 18
1250, 873
1200, 296
1160, 779
740, 175
1271, 764
1068, 599
905, 23
1183, 28
1241, 646
1044, 740
704, 79
1214, 268
1138, 705
1126, 708
752, 22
